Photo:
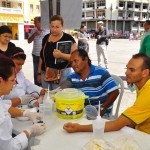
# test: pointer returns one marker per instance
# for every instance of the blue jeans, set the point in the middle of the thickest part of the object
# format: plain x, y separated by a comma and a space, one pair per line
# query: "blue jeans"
65, 73
35, 68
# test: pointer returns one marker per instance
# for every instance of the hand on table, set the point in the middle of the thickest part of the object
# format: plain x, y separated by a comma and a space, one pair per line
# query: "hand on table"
33, 116
71, 127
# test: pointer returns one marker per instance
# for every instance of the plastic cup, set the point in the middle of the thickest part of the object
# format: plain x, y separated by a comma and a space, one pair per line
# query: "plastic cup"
98, 128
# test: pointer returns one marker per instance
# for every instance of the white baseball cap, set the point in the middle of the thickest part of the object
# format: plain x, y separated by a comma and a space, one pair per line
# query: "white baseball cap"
100, 22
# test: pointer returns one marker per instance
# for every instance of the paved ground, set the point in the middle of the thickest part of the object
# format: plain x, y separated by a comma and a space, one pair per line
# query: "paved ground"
119, 52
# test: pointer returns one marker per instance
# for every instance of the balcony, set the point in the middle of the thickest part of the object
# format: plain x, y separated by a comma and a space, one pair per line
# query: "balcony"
87, 18
129, 18
136, 18
90, 8
121, 8
101, 17
144, 10
143, 19
137, 9
5, 10
131, 9
101, 7
120, 18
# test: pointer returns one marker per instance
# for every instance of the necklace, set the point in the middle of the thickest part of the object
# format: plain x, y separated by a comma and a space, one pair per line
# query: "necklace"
55, 38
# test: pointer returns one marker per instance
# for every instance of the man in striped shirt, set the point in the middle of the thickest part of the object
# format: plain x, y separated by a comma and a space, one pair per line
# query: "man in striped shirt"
94, 81
36, 35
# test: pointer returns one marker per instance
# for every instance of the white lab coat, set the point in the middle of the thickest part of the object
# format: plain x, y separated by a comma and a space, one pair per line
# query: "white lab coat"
7, 142
22, 87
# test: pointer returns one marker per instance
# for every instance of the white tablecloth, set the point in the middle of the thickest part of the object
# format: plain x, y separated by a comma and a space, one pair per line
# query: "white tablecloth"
55, 138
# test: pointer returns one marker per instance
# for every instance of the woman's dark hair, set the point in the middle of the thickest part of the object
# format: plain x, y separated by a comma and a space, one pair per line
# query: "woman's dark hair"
83, 54
5, 29
146, 60
6, 67
16, 53
58, 18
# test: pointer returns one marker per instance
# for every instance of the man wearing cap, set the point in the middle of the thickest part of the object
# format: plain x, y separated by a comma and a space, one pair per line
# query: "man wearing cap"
101, 43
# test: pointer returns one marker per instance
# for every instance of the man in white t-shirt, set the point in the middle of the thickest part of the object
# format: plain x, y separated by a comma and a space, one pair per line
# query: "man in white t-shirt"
36, 35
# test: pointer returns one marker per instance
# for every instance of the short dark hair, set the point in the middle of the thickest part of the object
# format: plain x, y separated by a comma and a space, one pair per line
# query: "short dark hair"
38, 18
82, 26
5, 29
16, 53
83, 54
146, 60
6, 67
57, 17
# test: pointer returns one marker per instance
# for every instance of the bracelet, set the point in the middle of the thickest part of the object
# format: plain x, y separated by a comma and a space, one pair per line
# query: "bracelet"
38, 73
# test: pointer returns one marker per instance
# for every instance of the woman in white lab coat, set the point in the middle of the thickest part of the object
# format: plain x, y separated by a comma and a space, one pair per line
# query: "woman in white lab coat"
23, 85
7, 81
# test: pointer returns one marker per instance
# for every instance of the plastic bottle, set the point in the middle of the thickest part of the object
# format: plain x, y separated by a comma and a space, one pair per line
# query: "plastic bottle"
47, 104
98, 126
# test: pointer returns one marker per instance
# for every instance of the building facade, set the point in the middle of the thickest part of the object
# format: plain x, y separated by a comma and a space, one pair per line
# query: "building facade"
18, 15
118, 15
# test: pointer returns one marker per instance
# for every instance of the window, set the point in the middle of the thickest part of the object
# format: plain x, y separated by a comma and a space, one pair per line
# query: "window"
122, 4
130, 5
83, 6
100, 13
145, 6
89, 5
3, 4
100, 3
137, 15
137, 5
31, 8
120, 14
6, 4
37, 8
20, 5
83, 15
135, 24
89, 14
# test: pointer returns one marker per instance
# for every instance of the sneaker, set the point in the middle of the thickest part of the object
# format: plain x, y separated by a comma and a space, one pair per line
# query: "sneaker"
106, 66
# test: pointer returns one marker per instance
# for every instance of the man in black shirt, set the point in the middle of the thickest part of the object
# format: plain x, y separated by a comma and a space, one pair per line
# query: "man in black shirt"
101, 43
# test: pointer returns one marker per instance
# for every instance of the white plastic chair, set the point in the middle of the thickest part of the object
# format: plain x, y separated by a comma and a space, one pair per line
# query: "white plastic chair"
117, 102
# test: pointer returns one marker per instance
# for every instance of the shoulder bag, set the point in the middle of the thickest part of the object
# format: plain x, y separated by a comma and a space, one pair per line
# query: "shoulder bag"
51, 74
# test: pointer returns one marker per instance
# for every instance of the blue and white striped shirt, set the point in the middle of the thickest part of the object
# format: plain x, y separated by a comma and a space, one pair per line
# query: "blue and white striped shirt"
97, 85
37, 42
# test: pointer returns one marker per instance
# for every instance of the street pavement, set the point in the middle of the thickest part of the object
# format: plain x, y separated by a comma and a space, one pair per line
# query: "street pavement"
119, 53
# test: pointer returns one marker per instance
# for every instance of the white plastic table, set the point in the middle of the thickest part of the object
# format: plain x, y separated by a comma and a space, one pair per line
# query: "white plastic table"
55, 138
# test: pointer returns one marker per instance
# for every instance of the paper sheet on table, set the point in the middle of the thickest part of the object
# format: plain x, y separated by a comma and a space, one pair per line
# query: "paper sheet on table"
122, 143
